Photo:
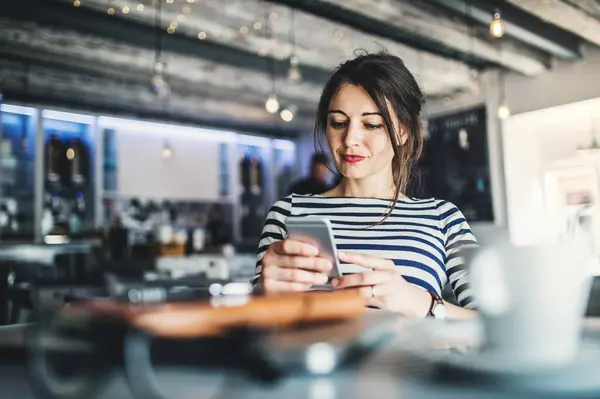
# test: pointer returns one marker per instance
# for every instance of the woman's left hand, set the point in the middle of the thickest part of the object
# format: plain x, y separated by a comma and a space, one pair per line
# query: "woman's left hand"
383, 287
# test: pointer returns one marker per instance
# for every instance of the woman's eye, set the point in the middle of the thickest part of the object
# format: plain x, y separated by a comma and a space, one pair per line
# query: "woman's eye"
337, 125
372, 126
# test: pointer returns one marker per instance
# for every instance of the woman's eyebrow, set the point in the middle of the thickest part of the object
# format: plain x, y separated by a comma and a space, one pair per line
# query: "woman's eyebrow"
337, 111
371, 113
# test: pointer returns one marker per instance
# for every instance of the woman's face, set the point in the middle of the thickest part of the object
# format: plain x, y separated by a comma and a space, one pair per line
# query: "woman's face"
357, 136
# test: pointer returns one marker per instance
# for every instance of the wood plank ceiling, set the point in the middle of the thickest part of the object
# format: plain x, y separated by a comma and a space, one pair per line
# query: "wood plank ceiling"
221, 55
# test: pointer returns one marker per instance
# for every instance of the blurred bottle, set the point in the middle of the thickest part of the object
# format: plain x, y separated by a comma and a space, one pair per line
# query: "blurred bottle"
53, 155
78, 156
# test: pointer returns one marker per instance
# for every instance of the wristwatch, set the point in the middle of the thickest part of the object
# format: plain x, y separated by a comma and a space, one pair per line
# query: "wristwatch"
437, 309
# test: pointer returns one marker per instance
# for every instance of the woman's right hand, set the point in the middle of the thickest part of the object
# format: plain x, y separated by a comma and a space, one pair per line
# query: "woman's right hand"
293, 266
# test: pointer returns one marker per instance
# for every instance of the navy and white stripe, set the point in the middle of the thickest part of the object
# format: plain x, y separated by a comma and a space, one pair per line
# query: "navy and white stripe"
422, 236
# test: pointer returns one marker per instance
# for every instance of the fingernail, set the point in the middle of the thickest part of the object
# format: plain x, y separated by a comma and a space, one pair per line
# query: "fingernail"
341, 255
314, 251
335, 282
323, 279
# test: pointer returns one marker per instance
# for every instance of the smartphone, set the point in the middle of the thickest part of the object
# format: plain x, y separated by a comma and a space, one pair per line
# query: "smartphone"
316, 231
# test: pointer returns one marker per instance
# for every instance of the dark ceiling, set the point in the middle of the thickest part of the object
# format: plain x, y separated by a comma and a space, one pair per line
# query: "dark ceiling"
223, 58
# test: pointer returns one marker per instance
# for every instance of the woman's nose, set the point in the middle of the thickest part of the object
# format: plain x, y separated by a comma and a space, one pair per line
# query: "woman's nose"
353, 136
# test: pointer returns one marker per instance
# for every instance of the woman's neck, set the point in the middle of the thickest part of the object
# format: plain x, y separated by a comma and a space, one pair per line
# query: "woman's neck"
365, 188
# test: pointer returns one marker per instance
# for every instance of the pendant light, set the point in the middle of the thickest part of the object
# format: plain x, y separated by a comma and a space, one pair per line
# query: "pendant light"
167, 152
294, 74
272, 103
158, 83
503, 110
287, 114
497, 25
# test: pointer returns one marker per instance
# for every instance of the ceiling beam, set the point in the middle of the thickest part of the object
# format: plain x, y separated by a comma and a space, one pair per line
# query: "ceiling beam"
120, 77
520, 25
34, 39
76, 87
425, 20
136, 75
374, 26
87, 21
565, 16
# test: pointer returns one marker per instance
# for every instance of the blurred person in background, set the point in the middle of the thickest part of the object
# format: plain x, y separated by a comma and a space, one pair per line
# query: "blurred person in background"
398, 251
316, 182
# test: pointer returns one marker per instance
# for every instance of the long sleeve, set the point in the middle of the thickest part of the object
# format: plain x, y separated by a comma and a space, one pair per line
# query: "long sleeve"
273, 230
458, 238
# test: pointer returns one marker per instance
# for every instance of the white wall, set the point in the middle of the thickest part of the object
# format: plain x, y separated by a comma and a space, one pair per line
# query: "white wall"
567, 82
192, 173
533, 141
527, 150
553, 114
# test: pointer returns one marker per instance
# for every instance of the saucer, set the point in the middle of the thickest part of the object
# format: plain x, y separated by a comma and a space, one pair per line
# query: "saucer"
474, 368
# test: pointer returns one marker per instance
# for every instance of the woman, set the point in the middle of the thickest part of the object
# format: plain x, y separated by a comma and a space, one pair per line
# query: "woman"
404, 249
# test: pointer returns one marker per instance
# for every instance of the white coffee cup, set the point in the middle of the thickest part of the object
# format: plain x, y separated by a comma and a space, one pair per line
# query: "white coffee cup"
531, 302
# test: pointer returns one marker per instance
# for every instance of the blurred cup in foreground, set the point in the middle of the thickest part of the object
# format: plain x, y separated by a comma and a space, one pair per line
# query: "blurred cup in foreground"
531, 301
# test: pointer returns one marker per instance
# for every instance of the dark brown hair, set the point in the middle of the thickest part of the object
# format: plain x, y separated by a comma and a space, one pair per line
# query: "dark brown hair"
390, 85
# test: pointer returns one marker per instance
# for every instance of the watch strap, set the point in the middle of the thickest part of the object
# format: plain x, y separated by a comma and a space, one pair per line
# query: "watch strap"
435, 300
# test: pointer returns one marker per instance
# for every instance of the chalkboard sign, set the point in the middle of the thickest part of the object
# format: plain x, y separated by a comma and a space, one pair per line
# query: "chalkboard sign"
455, 163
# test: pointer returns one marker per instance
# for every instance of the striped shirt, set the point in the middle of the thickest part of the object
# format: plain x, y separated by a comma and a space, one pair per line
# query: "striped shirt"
423, 237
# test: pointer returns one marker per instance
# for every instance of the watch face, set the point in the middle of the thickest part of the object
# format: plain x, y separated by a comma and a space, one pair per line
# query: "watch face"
439, 312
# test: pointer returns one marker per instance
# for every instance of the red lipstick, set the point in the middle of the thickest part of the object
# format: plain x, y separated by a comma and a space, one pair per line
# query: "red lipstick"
352, 158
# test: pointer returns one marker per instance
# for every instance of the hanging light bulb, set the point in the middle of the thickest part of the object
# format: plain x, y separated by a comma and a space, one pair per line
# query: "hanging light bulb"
167, 152
497, 26
272, 104
503, 111
287, 114
294, 74
158, 84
